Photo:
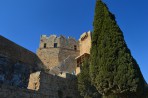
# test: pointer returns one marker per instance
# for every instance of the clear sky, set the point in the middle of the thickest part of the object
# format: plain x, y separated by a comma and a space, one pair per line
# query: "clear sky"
23, 21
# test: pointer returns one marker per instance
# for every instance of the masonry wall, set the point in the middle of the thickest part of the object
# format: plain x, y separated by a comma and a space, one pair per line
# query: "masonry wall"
14, 51
54, 86
49, 41
16, 64
49, 87
14, 92
85, 43
62, 42
54, 50
85, 46
67, 57
49, 56
17, 75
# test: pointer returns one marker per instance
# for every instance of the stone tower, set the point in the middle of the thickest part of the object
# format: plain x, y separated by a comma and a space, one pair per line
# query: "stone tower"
85, 46
54, 51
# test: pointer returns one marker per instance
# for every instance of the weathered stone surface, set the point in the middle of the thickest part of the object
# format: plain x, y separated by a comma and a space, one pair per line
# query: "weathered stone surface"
16, 64
68, 65
53, 51
50, 85
16, 52
85, 43
20, 68
14, 73
12, 92
34, 81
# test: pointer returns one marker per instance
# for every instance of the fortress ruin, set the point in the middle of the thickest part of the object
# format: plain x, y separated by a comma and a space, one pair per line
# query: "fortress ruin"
51, 73
61, 54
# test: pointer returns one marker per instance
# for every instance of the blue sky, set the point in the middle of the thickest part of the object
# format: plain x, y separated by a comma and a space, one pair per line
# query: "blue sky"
23, 21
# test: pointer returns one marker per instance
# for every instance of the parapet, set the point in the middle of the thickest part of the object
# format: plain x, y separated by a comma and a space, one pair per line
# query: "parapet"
85, 35
54, 41
43, 36
85, 43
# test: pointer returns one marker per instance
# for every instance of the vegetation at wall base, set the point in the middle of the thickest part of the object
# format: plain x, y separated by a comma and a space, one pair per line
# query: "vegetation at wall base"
110, 96
87, 90
113, 70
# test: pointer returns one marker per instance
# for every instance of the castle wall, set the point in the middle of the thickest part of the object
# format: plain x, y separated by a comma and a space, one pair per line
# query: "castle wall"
85, 43
16, 64
50, 87
17, 67
85, 46
49, 41
68, 43
12, 50
62, 42
13, 92
53, 55
49, 56
68, 58
53, 85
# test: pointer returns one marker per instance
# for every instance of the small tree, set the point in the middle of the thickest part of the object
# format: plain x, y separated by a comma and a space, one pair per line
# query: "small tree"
113, 70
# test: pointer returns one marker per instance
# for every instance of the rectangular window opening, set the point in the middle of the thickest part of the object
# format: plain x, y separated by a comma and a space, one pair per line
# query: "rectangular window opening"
55, 45
45, 45
75, 47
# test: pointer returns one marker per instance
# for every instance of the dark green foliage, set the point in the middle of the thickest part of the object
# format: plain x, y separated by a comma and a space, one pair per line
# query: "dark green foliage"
68, 97
110, 96
60, 94
113, 70
146, 92
84, 83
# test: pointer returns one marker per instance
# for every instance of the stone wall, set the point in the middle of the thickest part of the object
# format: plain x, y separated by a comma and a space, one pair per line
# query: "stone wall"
14, 92
85, 46
54, 50
16, 64
54, 86
14, 73
49, 87
19, 77
47, 42
12, 50
67, 58
49, 56
85, 43
61, 42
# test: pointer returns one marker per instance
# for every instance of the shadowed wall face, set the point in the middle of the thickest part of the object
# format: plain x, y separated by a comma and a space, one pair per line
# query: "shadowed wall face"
16, 64
14, 73
19, 66
14, 51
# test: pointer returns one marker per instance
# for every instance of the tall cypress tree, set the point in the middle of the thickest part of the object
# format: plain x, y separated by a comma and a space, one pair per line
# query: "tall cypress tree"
113, 70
